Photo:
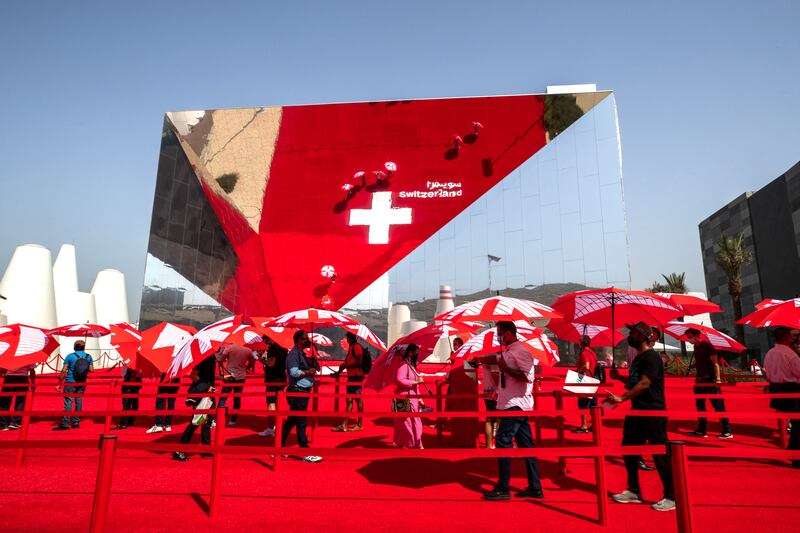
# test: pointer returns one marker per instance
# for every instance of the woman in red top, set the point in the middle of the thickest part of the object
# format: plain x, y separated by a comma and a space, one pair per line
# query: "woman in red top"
355, 375
587, 363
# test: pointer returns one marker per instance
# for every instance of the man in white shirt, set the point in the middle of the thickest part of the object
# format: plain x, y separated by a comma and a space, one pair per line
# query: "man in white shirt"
782, 366
515, 393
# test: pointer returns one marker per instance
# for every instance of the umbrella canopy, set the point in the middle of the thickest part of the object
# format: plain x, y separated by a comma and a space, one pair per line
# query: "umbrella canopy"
80, 330
572, 332
499, 308
363, 332
161, 343
718, 340
203, 344
427, 337
22, 345
247, 336
785, 313
319, 339
767, 302
279, 334
691, 305
384, 368
544, 351
126, 340
313, 318
614, 307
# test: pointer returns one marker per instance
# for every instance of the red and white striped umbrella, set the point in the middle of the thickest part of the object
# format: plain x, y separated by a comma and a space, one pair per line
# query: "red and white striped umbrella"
718, 340
499, 308
427, 337
691, 305
768, 302
126, 340
544, 350
775, 313
22, 345
319, 339
363, 332
311, 318
203, 344
572, 332
247, 336
161, 343
80, 330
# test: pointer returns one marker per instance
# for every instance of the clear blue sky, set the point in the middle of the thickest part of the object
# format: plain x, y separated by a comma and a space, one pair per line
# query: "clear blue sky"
708, 96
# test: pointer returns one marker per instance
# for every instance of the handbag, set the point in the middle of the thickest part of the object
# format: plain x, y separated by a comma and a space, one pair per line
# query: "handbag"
401, 405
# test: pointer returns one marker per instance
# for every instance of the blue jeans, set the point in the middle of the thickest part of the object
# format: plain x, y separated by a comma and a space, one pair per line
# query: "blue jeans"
296, 403
516, 428
718, 405
69, 400
165, 403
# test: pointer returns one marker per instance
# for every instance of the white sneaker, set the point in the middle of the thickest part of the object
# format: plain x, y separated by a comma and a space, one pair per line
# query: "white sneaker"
269, 432
167, 428
214, 424
312, 458
155, 429
627, 496
664, 505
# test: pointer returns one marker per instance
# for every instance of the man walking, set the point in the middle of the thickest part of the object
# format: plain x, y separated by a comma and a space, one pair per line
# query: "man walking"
302, 370
646, 392
74, 373
782, 366
706, 361
274, 361
353, 366
515, 394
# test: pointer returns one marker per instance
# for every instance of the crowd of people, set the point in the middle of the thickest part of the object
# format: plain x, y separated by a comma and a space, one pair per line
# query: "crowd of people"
507, 380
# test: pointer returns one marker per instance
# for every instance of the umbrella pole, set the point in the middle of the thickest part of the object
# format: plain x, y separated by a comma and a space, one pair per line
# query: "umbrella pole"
614, 371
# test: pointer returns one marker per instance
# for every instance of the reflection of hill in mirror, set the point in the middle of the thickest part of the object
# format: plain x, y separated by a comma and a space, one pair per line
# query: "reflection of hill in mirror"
228, 181
560, 111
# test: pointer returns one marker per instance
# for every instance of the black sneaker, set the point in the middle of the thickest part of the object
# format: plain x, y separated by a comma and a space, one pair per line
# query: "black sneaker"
697, 434
119, 426
497, 495
726, 435
646, 467
581, 430
530, 492
61, 427
179, 456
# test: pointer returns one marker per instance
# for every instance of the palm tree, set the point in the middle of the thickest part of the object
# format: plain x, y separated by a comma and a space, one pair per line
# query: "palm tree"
675, 283
732, 257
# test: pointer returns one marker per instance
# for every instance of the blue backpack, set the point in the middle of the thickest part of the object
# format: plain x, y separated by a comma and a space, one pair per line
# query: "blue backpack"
80, 370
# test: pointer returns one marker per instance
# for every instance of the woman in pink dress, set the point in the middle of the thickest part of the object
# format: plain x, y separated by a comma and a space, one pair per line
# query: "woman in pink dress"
408, 431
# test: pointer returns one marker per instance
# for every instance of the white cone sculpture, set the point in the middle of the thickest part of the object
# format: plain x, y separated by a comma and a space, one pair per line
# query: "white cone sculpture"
28, 287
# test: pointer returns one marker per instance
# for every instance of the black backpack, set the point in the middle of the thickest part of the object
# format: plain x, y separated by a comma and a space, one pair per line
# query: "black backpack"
366, 360
600, 372
80, 371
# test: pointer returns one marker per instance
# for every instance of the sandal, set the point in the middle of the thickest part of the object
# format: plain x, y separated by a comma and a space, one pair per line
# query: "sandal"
340, 429
355, 428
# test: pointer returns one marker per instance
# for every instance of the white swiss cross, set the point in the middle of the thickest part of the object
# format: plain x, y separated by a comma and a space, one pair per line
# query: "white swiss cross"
380, 217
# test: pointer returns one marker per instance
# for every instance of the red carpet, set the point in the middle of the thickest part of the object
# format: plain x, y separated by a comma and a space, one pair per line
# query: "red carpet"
53, 490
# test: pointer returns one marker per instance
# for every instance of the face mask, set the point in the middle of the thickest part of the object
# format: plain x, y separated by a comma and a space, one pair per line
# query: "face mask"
634, 342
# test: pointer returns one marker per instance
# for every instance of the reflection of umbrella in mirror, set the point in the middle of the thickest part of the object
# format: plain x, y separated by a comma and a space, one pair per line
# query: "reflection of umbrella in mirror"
80, 330
319, 339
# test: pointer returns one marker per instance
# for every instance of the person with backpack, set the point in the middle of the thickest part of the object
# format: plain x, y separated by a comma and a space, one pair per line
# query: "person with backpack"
587, 366
357, 364
74, 373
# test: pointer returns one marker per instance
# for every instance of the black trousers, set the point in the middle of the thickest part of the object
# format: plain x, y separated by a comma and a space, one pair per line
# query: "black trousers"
129, 404
232, 386
296, 403
516, 428
205, 432
165, 403
18, 385
640, 430
718, 405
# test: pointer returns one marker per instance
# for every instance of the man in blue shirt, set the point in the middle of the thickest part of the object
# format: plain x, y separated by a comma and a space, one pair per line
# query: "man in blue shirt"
77, 366
301, 370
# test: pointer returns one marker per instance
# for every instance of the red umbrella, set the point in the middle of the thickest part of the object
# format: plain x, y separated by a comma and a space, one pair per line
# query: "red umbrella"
572, 332
22, 345
614, 307
544, 351
718, 340
499, 308
384, 368
785, 313
203, 344
126, 340
691, 305
279, 334
363, 332
247, 336
319, 339
427, 337
80, 330
767, 302
162, 342
312, 318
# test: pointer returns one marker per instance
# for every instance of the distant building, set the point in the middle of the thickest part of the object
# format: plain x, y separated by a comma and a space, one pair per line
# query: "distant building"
770, 221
